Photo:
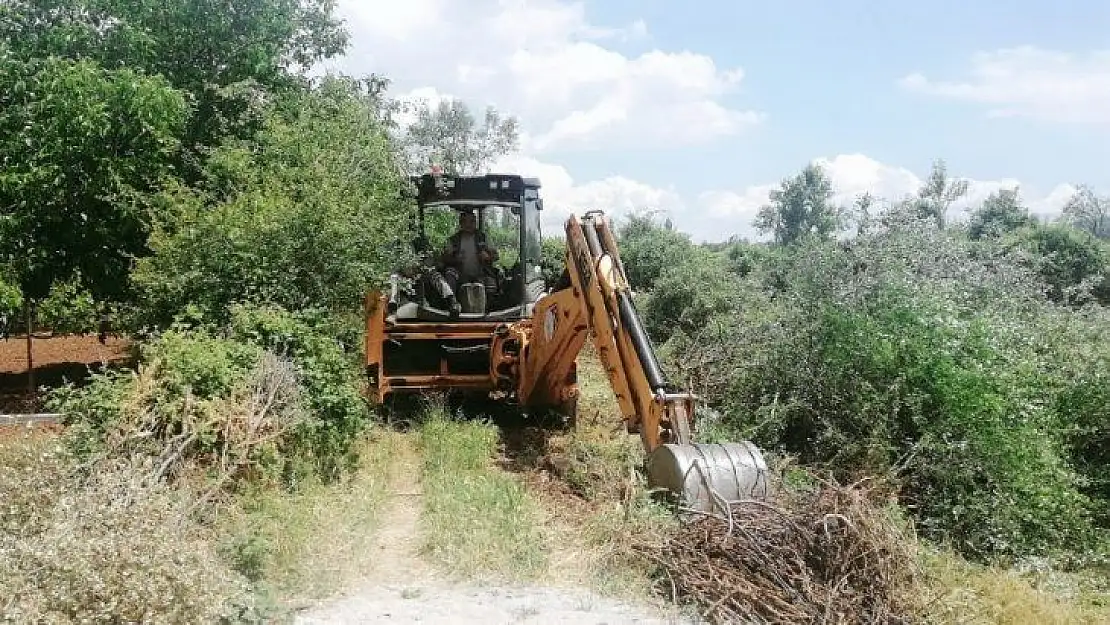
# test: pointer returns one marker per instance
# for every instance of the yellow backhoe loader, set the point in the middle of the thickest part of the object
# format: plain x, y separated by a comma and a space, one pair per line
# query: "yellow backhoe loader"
477, 316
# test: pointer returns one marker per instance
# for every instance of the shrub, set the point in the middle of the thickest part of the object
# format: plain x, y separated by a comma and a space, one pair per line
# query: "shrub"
647, 249
68, 309
111, 547
196, 402
274, 395
332, 379
690, 293
1074, 266
917, 353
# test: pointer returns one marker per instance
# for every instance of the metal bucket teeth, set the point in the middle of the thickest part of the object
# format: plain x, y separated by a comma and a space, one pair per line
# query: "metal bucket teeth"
706, 476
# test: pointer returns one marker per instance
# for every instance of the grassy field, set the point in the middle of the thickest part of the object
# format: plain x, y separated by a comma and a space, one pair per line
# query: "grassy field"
478, 521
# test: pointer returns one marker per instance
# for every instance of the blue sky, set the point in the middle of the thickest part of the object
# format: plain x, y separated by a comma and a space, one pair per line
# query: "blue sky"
698, 107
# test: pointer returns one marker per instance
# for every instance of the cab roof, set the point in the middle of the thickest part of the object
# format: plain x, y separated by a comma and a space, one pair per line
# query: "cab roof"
501, 189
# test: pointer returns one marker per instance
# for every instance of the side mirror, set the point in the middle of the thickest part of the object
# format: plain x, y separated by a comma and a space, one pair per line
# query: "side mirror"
539, 204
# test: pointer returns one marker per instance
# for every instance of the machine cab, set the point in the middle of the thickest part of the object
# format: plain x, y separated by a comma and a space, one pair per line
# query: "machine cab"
479, 245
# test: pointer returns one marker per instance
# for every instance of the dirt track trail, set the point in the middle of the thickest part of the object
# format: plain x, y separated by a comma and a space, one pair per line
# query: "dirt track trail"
402, 587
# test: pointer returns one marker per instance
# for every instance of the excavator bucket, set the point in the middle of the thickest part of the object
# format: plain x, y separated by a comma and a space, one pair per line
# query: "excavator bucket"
706, 477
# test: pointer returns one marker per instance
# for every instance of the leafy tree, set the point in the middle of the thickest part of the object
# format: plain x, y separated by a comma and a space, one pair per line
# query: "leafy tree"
1073, 266
801, 208
450, 136
313, 215
1088, 212
999, 214
208, 48
861, 212
81, 146
938, 194
647, 249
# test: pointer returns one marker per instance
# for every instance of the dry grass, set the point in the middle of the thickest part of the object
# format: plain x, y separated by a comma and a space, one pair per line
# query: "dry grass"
969, 594
115, 546
305, 545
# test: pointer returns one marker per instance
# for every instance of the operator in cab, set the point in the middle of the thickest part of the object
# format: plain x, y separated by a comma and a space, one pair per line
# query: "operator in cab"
468, 256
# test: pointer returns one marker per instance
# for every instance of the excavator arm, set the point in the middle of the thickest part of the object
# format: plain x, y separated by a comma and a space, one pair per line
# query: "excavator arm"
598, 303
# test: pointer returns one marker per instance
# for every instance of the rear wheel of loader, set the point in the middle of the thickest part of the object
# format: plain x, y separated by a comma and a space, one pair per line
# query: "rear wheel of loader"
708, 476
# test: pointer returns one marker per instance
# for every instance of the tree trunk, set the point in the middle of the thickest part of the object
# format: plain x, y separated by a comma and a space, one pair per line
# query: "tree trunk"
30, 350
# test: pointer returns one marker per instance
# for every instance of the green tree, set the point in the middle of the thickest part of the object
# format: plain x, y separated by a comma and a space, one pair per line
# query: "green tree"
82, 146
312, 215
938, 194
1073, 266
1088, 212
212, 49
450, 136
999, 214
801, 208
648, 248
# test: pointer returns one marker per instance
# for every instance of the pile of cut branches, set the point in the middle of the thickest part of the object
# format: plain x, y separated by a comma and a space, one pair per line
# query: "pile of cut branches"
832, 554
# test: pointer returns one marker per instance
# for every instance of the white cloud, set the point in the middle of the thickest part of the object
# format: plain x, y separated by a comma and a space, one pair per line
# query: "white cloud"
544, 62
616, 196
1031, 82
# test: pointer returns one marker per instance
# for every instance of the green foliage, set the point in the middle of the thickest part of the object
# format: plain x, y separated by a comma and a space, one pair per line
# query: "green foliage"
273, 392
941, 368
1073, 266
72, 193
68, 309
554, 261
252, 39
1088, 212
312, 216
264, 42
686, 296
11, 301
647, 249
999, 214
801, 208
330, 378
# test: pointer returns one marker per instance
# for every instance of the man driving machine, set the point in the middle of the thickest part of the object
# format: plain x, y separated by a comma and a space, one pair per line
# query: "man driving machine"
468, 256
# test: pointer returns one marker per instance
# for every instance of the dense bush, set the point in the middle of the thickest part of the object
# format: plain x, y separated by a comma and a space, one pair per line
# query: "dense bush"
331, 378
307, 215
688, 294
941, 367
1074, 266
271, 394
68, 309
648, 248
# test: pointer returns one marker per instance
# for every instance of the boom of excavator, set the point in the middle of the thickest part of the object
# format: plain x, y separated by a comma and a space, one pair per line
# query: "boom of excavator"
524, 350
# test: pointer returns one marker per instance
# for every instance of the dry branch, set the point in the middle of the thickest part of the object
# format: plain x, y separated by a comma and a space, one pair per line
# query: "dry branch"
832, 555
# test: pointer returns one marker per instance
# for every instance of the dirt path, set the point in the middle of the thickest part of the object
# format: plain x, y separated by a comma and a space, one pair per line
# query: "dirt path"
403, 588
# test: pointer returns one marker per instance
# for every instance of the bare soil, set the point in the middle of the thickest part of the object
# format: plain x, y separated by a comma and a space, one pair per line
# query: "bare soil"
58, 360
403, 588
